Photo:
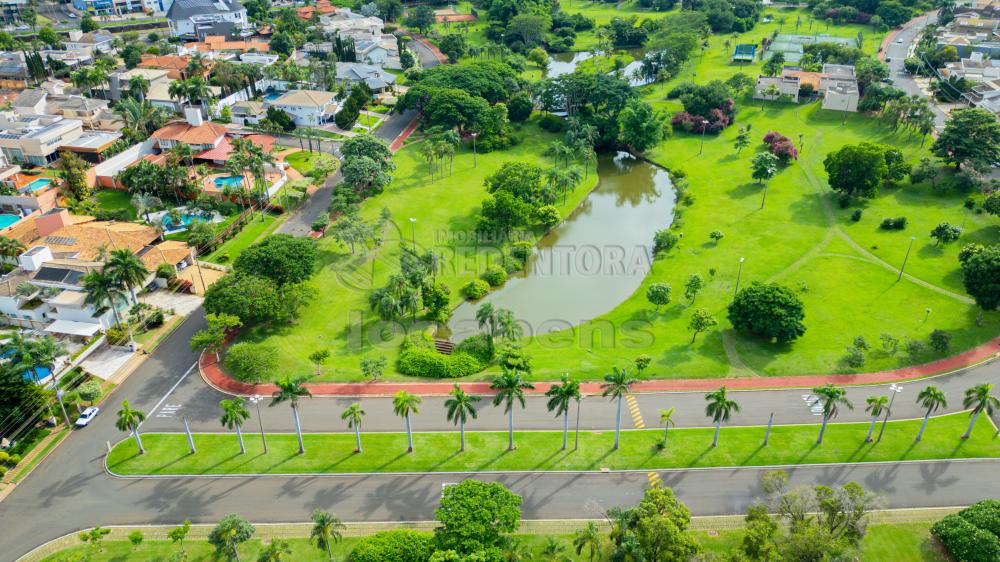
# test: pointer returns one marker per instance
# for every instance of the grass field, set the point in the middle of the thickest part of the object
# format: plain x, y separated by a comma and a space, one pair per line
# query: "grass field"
248, 235
113, 200
304, 161
218, 453
340, 319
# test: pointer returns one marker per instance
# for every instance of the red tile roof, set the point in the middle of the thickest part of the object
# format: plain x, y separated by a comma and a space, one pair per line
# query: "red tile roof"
182, 131
224, 149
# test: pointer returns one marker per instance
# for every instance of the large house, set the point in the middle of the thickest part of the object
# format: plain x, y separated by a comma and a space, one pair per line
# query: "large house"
307, 107
200, 18
94, 113
374, 77
194, 131
90, 43
36, 139
839, 86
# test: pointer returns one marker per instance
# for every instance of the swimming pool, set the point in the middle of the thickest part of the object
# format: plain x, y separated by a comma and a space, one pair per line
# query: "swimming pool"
272, 96
38, 374
185, 222
228, 181
7, 220
40, 183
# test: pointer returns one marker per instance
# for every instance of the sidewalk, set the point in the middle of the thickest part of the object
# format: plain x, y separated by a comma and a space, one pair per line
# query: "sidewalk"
213, 374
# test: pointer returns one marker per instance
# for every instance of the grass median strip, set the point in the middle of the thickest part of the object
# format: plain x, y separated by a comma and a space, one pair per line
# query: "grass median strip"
218, 453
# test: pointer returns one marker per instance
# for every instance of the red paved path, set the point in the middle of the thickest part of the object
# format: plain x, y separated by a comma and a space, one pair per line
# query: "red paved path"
213, 374
397, 143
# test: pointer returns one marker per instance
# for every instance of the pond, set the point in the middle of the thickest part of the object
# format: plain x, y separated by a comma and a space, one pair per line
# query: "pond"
566, 63
594, 260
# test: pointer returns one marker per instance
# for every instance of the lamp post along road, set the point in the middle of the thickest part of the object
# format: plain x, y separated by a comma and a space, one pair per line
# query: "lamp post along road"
895, 389
413, 233
704, 127
739, 272
62, 406
255, 400
906, 257
475, 156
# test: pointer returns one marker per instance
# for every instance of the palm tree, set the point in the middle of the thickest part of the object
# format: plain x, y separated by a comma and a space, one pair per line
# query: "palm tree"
275, 552
588, 538
138, 86
667, 419
403, 404
876, 405
510, 387
979, 399
514, 550
554, 550
617, 386
143, 202
353, 415
10, 248
560, 398
719, 408
129, 420
178, 91
292, 390
102, 290
183, 151
486, 317
128, 270
460, 406
832, 397
931, 399
326, 531
234, 413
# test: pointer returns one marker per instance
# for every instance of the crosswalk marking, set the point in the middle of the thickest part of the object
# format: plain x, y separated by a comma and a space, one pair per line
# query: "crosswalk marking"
168, 410
633, 408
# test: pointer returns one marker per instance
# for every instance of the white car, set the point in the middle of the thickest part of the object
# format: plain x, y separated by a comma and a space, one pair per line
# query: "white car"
72, 16
87, 416
900, 40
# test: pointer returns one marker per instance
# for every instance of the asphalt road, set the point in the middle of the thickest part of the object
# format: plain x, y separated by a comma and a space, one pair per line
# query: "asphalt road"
898, 50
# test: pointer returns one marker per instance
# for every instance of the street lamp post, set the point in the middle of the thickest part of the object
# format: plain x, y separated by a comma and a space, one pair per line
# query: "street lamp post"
413, 233
739, 272
895, 389
475, 157
927, 314
62, 406
704, 127
906, 257
255, 400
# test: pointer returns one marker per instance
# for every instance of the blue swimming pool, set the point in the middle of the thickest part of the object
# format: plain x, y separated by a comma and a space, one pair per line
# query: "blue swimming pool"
40, 183
7, 220
272, 96
228, 181
186, 220
39, 373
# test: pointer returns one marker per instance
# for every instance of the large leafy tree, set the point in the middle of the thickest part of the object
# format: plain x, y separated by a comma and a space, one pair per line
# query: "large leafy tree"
641, 128
365, 175
859, 170
661, 526
229, 534
769, 310
476, 516
282, 258
522, 180
970, 137
250, 298
981, 275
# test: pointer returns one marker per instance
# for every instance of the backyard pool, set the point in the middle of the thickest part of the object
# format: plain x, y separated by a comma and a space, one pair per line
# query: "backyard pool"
228, 181
36, 374
7, 220
271, 96
186, 220
40, 183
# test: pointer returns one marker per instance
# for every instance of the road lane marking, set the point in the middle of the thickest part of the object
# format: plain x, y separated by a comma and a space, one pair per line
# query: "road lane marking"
633, 407
173, 388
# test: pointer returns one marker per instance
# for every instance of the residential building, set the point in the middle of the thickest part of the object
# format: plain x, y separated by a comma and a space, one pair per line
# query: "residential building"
219, 44
321, 7
159, 96
35, 139
90, 43
111, 7
383, 52
374, 77
248, 112
839, 86
349, 24
307, 107
793, 46
72, 59
13, 71
976, 68
198, 18
118, 82
194, 131
92, 146
174, 65
261, 59
35, 101
773, 87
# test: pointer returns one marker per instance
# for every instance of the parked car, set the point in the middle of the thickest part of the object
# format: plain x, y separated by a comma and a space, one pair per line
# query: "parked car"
87, 416
72, 16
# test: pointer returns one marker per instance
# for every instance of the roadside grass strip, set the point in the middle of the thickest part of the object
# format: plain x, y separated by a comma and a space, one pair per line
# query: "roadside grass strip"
332, 453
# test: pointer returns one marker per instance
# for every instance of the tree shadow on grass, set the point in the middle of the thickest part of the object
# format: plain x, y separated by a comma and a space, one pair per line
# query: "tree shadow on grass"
434, 467
745, 190
600, 460
750, 457
390, 461
489, 464
806, 454
548, 463
701, 455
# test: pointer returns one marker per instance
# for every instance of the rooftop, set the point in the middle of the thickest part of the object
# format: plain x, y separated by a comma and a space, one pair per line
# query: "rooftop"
305, 98
182, 131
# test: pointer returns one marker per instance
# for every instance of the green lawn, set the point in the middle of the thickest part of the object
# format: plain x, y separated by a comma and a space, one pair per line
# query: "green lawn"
218, 453
340, 319
230, 249
304, 161
114, 200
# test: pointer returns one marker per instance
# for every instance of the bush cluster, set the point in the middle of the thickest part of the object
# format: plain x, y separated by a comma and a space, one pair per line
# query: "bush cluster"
401, 545
898, 223
419, 358
969, 534
250, 362
781, 146
476, 289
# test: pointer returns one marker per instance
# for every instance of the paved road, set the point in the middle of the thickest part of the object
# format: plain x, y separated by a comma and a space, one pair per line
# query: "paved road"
898, 50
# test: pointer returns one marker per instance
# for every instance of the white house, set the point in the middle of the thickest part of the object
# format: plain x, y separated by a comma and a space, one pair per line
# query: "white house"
90, 43
374, 77
839, 87
197, 18
307, 107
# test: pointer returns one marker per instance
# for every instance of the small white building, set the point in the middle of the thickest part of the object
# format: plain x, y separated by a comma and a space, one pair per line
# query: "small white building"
839, 87
195, 18
782, 86
307, 107
90, 43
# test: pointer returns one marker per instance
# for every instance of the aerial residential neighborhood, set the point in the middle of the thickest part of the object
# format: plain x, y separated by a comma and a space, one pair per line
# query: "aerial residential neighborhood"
497, 281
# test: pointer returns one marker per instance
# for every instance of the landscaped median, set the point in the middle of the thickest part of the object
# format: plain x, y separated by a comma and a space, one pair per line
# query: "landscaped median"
219, 454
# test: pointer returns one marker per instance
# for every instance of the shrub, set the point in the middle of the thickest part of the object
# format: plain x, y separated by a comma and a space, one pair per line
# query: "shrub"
965, 541
552, 123
716, 235
855, 358
401, 545
423, 361
681, 89
522, 250
893, 223
664, 240
548, 216
3, 471
4, 457
984, 514
512, 264
781, 146
494, 275
117, 335
166, 271
14, 458
476, 289
939, 341
479, 346
90, 391
250, 362
914, 347
155, 319
856, 215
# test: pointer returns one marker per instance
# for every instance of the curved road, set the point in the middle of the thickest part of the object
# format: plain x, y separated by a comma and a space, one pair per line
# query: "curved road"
71, 491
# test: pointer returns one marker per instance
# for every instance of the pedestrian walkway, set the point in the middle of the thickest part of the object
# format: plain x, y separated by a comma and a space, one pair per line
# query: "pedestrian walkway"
398, 142
213, 374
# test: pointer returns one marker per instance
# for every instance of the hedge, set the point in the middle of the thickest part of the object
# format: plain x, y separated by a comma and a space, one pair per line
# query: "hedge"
965, 541
402, 545
984, 514
249, 362
425, 362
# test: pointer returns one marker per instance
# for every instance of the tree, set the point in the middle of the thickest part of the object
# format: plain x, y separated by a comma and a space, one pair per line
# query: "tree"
588, 538
774, 64
758, 536
87, 24
49, 36
522, 180
460, 406
539, 58
641, 127
832, 397
132, 56
979, 399
291, 390
502, 213
370, 146
719, 408
373, 367
763, 166
365, 175
178, 534
326, 531
693, 286
72, 170
658, 294
617, 385
11, 248
924, 171
127, 270
769, 310
701, 320
509, 387
476, 516
275, 552
875, 407
135, 537
742, 140
229, 534
667, 419
250, 298
561, 396
930, 398
858, 170
454, 46
970, 137
234, 414
404, 404
319, 357
981, 276
420, 18
129, 420
661, 527
94, 537
283, 258
946, 233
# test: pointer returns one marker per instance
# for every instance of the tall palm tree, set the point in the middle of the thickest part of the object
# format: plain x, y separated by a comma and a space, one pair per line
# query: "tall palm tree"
617, 385
510, 387
832, 397
43, 352
138, 87
292, 390
486, 317
719, 408
102, 290
876, 405
143, 202
930, 398
353, 415
979, 399
129, 420
234, 413
326, 531
128, 270
588, 538
177, 90
560, 398
460, 406
140, 118
667, 419
403, 404
10, 248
